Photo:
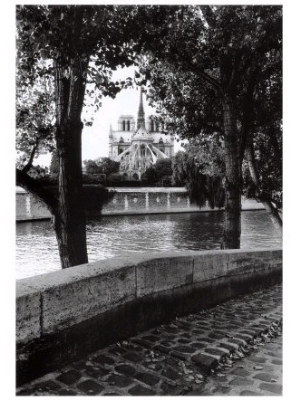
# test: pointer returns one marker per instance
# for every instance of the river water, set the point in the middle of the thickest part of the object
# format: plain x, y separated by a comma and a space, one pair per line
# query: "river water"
37, 252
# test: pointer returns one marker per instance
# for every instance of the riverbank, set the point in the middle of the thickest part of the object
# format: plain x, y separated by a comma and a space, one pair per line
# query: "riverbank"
127, 201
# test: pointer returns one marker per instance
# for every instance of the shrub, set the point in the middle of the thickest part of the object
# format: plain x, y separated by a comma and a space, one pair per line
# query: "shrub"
115, 178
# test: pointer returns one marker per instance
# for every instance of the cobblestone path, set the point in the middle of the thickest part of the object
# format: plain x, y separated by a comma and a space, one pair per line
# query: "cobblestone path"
259, 374
231, 349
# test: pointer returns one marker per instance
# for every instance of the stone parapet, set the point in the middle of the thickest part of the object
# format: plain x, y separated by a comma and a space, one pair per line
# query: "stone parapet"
65, 314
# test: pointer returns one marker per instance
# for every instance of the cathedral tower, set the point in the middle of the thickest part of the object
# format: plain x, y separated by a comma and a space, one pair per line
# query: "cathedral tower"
141, 112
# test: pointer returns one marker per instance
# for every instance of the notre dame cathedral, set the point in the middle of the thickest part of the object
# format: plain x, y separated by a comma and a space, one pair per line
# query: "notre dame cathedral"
138, 147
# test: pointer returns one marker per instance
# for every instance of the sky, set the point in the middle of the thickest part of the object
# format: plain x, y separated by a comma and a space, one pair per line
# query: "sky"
95, 138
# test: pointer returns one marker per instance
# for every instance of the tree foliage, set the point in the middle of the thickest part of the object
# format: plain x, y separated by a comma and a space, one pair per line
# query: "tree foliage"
34, 119
163, 168
160, 173
102, 165
150, 176
201, 170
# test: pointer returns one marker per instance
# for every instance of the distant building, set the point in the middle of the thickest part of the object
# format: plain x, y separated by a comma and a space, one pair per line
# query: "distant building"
138, 147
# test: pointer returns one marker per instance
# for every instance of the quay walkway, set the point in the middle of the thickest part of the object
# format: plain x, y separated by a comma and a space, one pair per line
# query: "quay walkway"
231, 349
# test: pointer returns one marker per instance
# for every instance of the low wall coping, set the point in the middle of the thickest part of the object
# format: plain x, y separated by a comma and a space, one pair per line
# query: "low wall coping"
62, 277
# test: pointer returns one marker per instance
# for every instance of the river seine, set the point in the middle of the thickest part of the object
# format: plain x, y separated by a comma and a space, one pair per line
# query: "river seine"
37, 252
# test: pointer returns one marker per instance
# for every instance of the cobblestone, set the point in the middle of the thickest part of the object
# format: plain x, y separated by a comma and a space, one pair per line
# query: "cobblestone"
231, 349
90, 387
69, 377
248, 377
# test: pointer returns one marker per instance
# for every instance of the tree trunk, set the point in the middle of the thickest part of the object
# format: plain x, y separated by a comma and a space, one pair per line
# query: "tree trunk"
267, 203
232, 220
69, 218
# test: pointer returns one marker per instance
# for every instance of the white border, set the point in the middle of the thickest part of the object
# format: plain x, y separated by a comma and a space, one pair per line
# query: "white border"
291, 187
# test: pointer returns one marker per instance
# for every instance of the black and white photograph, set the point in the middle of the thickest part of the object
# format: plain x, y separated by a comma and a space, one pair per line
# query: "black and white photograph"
148, 199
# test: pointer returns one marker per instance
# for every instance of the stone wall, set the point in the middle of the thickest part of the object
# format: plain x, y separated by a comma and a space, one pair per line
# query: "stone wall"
64, 315
29, 208
22, 212
127, 201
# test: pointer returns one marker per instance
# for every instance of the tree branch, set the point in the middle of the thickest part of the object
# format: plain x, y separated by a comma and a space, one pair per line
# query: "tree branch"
212, 81
29, 163
36, 188
207, 78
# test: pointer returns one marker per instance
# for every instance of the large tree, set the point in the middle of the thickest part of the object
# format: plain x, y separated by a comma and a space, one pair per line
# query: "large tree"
215, 54
80, 44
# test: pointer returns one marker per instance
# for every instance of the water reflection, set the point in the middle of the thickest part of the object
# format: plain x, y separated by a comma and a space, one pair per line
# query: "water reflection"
110, 236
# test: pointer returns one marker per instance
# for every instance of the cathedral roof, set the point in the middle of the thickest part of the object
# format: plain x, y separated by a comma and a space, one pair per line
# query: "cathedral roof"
142, 134
141, 131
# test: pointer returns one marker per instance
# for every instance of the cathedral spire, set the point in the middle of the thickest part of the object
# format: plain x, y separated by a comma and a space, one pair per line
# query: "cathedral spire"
141, 112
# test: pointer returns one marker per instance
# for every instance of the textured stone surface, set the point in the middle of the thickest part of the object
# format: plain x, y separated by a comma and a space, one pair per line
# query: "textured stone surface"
75, 302
145, 366
163, 273
90, 387
69, 377
28, 314
247, 377
208, 267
